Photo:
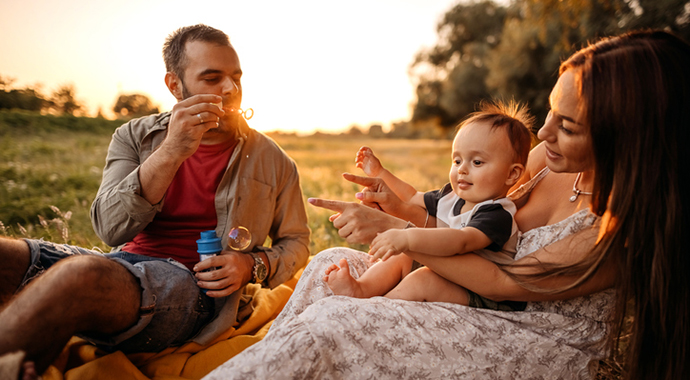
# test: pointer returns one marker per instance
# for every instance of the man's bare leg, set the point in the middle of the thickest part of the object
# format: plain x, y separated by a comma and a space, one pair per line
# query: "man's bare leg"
85, 293
15, 257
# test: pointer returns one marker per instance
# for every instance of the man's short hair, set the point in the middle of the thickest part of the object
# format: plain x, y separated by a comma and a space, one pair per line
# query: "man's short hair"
174, 47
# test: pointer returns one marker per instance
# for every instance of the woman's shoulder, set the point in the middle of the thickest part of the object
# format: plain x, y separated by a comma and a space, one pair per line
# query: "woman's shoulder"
535, 164
537, 160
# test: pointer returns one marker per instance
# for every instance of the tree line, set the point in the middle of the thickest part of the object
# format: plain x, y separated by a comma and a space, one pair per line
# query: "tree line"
63, 101
486, 50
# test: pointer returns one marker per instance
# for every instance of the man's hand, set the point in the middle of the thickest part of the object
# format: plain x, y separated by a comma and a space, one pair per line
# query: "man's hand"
389, 243
189, 120
230, 271
357, 223
185, 132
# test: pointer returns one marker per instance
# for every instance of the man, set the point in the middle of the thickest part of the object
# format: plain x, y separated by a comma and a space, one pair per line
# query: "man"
167, 178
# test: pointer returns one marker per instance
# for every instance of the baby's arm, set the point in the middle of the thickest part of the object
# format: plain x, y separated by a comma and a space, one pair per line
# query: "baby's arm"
430, 241
371, 165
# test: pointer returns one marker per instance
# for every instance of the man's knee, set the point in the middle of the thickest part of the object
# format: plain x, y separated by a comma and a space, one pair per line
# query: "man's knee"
108, 294
15, 257
93, 272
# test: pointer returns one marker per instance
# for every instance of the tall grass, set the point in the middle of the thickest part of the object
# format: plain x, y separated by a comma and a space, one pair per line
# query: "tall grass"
50, 172
322, 160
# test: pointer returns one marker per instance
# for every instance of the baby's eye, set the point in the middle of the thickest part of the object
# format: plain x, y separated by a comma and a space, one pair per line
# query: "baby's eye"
476, 162
457, 162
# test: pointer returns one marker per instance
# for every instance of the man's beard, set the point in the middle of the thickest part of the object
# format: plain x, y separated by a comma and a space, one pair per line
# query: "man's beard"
185, 93
229, 120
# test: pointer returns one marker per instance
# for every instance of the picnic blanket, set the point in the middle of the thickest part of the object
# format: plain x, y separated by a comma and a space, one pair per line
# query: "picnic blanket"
81, 360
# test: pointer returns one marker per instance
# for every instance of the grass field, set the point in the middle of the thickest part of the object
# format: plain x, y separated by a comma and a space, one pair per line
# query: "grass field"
49, 177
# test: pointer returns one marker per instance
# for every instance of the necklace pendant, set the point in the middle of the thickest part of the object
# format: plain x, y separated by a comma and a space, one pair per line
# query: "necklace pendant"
574, 198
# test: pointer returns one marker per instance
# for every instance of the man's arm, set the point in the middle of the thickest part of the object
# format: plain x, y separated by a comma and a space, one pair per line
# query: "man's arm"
289, 250
119, 211
131, 191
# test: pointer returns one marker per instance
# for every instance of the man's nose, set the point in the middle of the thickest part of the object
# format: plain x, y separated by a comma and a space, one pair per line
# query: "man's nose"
230, 87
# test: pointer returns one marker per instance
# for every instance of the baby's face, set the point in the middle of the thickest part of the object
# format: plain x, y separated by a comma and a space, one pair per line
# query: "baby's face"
483, 159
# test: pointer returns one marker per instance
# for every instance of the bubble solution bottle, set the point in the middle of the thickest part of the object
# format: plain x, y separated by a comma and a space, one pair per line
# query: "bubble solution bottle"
208, 246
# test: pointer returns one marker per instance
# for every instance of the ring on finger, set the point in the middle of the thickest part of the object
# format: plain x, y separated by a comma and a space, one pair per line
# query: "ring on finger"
201, 119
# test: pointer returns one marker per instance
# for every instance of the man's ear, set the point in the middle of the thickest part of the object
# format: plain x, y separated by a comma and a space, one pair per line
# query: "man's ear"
515, 173
174, 85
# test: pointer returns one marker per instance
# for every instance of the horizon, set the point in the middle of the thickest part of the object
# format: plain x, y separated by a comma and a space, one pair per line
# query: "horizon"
308, 66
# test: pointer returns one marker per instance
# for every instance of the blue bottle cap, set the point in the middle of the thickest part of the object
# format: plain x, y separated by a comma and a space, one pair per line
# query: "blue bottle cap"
209, 243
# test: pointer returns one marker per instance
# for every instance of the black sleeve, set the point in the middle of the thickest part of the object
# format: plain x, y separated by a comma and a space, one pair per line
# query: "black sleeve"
495, 222
431, 198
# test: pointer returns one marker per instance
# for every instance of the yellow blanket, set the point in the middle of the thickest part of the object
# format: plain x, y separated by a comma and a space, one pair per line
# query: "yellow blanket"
83, 361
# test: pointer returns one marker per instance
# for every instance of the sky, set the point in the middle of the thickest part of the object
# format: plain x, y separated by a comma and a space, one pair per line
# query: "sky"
308, 65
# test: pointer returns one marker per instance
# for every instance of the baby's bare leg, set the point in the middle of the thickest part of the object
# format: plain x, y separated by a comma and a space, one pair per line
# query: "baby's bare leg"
425, 285
376, 281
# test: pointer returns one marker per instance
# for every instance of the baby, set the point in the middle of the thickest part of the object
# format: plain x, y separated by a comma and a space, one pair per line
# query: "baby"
471, 213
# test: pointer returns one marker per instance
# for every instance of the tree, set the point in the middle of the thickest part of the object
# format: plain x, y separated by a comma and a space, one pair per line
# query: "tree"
513, 52
451, 75
354, 130
5, 83
26, 99
376, 131
63, 100
134, 105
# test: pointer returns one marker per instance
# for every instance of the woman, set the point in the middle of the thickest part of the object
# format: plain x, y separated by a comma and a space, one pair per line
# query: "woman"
617, 138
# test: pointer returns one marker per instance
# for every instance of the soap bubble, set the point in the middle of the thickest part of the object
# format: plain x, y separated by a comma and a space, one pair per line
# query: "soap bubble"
239, 238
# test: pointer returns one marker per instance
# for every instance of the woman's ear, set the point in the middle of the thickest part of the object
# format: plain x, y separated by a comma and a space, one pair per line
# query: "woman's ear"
175, 85
516, 171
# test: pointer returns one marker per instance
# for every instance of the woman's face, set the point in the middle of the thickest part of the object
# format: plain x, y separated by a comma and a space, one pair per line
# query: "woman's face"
568, 142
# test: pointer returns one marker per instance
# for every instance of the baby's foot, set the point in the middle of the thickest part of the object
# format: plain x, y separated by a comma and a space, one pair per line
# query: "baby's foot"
367, 161
341, 281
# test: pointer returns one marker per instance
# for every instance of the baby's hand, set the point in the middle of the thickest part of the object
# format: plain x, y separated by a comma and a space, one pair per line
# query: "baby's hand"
387, 244
367, 161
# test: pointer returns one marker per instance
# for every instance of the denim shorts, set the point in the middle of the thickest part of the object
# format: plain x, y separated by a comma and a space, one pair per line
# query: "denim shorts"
484, 303
173, 308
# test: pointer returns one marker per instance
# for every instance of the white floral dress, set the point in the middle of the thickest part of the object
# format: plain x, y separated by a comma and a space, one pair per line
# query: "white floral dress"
321, 336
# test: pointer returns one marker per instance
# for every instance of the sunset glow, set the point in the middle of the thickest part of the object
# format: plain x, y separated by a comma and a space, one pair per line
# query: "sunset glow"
308, 65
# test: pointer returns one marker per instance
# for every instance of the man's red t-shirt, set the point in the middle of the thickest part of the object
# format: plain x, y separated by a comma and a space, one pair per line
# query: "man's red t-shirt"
188, 209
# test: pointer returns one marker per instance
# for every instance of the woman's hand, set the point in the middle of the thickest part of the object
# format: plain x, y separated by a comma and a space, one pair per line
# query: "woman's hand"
377, 194
356, 222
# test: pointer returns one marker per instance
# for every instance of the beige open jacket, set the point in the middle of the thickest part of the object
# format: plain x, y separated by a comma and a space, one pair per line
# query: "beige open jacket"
259, 190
